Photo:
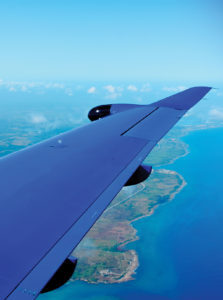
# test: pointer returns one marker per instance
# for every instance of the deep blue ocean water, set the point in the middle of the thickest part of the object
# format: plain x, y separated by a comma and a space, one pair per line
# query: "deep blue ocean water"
181, 245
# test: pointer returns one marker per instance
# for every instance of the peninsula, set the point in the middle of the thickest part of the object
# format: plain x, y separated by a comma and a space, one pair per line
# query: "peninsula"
102, 255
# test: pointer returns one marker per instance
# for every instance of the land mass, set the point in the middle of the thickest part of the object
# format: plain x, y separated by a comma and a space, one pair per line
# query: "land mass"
102, 255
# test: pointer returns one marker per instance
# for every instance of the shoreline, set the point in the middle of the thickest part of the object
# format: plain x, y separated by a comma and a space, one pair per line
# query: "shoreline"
151, 212
186, 152
185, 130
131, 270
134, 260
128, 275
178, 190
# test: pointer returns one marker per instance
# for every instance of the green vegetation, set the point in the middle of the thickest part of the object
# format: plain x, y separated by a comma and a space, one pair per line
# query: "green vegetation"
102, 256
168, 149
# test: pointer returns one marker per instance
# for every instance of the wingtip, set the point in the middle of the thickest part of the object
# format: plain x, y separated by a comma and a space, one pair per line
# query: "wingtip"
184, 100
199, 90
204, 88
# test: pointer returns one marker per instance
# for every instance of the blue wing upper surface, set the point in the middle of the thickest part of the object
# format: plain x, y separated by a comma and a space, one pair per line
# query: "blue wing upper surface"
53, 192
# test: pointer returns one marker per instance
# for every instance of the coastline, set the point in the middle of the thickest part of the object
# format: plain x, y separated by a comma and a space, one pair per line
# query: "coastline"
186, 152
107, 275
151, 212
185, 132
134, 266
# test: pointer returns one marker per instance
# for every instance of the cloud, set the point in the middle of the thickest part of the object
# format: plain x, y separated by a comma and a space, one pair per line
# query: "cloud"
24, 86
55, 85
14, 86
216, 114
174, 89
110, 88
132, 88
69, 92
113, 96
37, 118
188, 114
91, 90
87, 248
145, 88
114, 92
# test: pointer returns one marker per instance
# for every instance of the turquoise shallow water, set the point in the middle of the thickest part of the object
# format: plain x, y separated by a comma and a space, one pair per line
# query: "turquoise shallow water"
181, 245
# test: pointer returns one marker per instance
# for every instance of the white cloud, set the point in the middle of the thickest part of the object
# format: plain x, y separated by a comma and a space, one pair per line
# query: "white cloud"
216, 114
145, 88
188, 114
55, 85
113, 95
86, 248
132, 88
91, 90
25, 85
110, 88
114, 92
14, 86
37, 118
174, 89
69, 92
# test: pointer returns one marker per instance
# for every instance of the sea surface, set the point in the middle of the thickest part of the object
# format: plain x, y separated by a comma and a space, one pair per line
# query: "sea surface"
181, 245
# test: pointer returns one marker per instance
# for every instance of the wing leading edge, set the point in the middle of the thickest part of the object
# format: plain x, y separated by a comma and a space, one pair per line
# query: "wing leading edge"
53, 192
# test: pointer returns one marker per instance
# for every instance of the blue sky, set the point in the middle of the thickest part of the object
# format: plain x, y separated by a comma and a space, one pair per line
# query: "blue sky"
111, 40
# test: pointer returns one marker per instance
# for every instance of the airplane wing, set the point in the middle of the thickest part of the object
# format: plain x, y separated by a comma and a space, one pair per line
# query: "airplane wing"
52, 193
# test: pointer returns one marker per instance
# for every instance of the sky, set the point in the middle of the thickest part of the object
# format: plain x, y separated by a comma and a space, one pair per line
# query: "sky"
111, 40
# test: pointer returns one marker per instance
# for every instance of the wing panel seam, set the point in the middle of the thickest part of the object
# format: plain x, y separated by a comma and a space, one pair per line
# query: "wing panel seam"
139, 121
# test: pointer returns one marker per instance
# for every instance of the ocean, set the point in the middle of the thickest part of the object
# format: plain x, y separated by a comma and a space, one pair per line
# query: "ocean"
181, 245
